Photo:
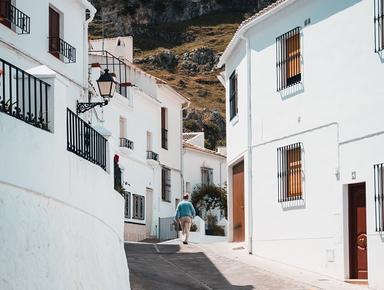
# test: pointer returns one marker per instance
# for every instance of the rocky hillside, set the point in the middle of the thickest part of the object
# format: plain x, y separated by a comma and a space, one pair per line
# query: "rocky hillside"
181, 42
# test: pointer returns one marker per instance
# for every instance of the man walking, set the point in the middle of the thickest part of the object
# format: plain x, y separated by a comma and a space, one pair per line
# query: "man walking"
185, 212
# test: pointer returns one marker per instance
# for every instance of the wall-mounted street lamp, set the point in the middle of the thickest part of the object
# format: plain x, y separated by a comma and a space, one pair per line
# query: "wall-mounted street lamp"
107, 88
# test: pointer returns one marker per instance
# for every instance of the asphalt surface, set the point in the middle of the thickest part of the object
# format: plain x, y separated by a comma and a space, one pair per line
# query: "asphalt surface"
162, 267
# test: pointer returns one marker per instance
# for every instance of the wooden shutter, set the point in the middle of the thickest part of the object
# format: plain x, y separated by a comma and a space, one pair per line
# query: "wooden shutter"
294, 172
5, 9
54, 32
293, 55
163, 117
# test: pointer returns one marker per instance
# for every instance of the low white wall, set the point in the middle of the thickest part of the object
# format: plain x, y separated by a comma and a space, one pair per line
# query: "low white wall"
199, 237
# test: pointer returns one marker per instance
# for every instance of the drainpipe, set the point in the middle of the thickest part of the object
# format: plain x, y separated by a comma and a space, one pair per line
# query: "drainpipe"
249, 142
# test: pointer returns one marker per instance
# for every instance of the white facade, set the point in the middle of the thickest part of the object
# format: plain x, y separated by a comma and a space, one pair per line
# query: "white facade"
334, 113
135, 114
196, 159
60, 219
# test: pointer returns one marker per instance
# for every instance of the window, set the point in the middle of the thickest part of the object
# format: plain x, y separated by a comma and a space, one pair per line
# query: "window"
138, 207
123, 127
379, 196
127, 205
288, 59
188, 187
206, 176
290, 172
166, 184
379, 25
5, 13
164, 128
233, 97
117, 180
54, 32
149, 141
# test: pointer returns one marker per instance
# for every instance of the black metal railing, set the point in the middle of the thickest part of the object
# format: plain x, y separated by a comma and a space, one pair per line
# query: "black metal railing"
10, 15
124, 142
23, 96
288, 59
85, 141
289, 172
379, 196
379, 25
116, 66
61, 49
164, 138
152, 156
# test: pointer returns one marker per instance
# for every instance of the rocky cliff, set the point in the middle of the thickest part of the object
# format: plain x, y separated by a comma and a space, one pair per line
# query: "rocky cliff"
181, 42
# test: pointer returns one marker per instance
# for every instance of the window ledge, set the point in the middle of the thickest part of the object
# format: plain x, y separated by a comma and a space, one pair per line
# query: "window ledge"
234, 120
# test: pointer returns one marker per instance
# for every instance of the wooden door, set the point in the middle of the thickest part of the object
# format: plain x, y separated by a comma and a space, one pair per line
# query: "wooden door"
238, 203
54, 32
357, 232
5, 15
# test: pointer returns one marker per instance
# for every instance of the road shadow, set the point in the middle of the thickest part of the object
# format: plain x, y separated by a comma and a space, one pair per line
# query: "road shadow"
154, 266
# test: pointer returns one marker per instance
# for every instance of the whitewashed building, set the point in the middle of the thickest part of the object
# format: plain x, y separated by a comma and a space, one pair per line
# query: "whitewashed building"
305, 90
144, 120
60, 218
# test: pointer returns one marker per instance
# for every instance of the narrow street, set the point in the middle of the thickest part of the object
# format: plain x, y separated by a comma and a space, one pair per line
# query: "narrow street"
161, 266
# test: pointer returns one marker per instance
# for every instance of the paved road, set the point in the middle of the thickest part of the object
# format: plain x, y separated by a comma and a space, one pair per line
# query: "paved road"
174, 267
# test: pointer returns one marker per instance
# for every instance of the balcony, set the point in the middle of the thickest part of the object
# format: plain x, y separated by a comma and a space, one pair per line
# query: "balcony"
23, 96
152, 158
13, 18
164, 138
85, 141
62, 50
126, 144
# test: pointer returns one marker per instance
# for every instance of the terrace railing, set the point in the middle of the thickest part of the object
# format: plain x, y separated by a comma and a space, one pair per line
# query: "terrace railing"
124, 142
85, 141
152, 156
23, 96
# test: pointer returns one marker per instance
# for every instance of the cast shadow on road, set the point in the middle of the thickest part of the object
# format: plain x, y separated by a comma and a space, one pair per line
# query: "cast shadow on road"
157, 267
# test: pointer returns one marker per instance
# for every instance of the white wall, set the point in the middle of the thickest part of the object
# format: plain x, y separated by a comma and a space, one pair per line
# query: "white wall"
333, 114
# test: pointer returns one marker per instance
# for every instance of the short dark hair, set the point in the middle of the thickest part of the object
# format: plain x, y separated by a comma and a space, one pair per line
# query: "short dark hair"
186, 196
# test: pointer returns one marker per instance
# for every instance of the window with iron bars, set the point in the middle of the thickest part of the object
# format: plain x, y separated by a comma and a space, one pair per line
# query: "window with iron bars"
127, 205
379, 196
233, 95
166, 184
290, 173
138, 207
288, 59
206, 176
379, 25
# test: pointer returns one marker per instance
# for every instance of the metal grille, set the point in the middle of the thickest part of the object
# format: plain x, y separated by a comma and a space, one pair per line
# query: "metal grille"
164, 138
233, 95
23, 96
379, 25
127, 205
138, 207
379, 196
288, 59
166, 184
206, 176
289, 175
85, 141
59, 47
12, 15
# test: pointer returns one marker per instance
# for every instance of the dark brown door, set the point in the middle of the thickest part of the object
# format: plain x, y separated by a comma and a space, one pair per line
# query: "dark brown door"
238, 203
54, 32
5, 12
357, 232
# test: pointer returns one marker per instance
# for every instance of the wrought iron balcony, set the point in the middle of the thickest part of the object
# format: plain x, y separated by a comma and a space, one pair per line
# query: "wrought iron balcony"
11, 16
152, 156
125, 143
62, 50
23, 96
164, 138
85, 141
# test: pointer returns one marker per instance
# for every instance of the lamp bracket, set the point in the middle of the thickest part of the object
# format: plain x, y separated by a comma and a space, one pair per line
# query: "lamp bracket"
84, 107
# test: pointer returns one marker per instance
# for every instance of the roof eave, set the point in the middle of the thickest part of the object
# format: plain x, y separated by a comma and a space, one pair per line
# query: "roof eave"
240, 33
